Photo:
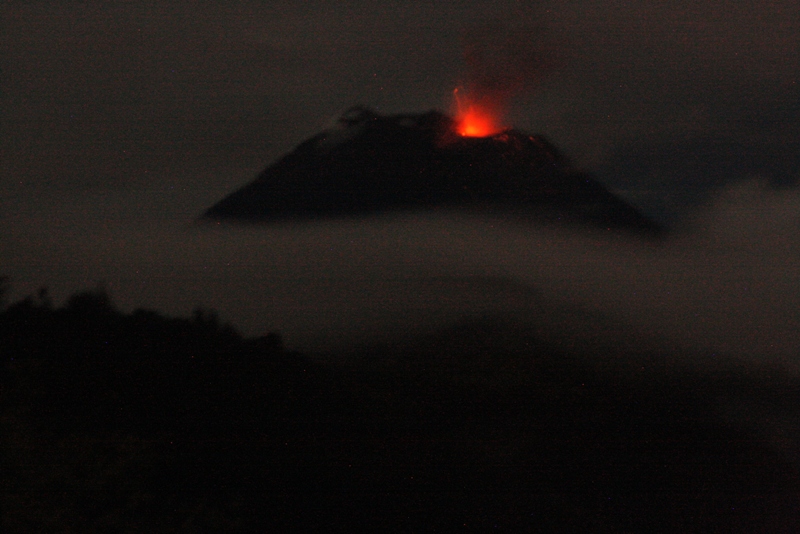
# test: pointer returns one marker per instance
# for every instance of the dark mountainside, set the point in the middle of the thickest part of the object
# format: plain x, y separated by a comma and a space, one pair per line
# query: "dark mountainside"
139, 422
372, 164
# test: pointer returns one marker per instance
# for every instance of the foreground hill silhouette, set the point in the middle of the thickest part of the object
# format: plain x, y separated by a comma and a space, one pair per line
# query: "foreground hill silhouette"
139, 422
371, 164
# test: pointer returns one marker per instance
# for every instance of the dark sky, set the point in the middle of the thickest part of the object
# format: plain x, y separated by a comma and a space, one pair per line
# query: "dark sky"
120, 122
120, 95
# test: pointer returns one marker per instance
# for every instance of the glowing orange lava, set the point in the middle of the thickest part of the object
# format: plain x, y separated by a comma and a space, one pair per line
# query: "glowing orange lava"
474, 119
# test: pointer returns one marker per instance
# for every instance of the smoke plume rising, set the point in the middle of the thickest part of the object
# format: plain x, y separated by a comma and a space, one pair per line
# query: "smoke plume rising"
501, 63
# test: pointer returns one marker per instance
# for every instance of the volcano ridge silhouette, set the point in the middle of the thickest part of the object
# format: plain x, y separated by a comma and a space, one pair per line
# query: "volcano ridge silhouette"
371, 164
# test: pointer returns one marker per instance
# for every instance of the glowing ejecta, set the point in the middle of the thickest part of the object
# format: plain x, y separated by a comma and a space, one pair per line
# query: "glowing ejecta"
476, 119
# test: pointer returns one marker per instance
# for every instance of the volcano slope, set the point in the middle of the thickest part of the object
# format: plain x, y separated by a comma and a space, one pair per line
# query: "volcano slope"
371, 164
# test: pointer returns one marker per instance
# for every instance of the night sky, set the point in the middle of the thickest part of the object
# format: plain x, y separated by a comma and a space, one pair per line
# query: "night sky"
121, 123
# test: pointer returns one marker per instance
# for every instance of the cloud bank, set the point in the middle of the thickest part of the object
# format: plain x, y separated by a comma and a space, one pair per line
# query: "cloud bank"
728, 283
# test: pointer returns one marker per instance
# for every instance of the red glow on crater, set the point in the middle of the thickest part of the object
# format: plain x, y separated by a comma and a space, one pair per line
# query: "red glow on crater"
476, 118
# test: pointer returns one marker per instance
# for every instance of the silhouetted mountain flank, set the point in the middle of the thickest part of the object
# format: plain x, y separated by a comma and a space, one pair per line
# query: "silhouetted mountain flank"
137, 422
371, 164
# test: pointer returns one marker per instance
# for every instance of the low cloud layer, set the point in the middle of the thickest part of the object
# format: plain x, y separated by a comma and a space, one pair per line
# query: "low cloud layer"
728, 283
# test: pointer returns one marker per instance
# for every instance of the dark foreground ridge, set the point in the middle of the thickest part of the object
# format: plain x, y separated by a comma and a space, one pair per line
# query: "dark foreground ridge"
117, 422
371, 164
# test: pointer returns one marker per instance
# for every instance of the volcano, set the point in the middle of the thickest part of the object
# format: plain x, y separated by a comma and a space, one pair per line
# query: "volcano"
371, 164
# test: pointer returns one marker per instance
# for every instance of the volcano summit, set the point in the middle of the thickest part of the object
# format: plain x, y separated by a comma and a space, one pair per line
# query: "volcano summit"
371, 164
